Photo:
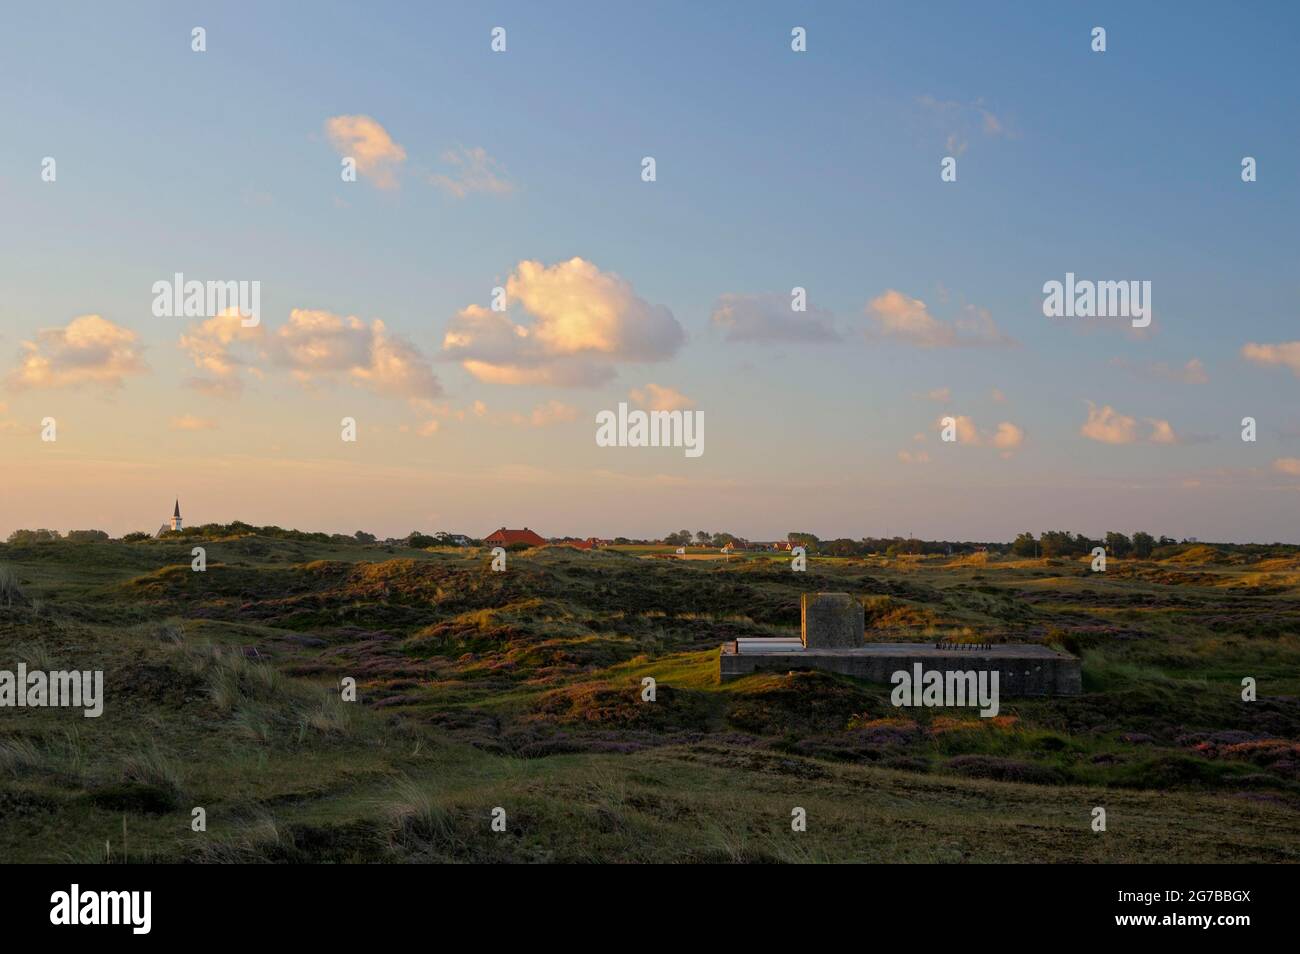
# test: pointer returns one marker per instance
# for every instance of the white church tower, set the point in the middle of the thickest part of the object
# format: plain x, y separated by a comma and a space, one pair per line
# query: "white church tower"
175, 521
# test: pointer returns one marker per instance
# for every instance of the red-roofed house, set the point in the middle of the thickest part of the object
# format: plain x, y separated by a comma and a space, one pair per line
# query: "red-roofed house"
507, 538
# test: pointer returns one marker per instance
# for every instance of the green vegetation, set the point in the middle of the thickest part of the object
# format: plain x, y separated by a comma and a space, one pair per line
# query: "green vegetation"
523, 690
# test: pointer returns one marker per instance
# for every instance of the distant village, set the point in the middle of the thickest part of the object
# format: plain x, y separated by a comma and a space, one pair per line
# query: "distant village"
1050, 543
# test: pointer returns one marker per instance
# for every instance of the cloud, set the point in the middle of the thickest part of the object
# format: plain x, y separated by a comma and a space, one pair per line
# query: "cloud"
317, 345
1287, 465
222, 348
901, 318
188, 422
584, 322
1108, 426
473, 171
942, 395
1007, 438
769, 317
552, 412
961, 122
1193, 372
997, 396
657, 398
1286, 354
377, 156
90, 350
1162, 432
913, 457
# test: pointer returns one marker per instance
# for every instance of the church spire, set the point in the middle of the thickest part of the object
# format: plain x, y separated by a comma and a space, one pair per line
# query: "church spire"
177, 512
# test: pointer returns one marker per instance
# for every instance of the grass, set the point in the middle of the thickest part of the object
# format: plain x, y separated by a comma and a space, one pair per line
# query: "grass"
478, 690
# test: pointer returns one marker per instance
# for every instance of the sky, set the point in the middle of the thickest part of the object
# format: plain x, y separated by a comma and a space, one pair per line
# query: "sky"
774, 169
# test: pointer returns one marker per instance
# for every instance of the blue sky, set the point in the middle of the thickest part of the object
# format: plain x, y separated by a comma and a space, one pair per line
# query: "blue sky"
775, 169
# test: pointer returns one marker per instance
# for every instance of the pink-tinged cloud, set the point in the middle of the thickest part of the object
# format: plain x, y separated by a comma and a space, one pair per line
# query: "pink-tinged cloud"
472, 170
90, 350
543, 415
1285, 354
224, 350
1108, 426
188, 422
363, 139
1007, 437
1287, 465
1162, 432
657, 398
900, 318
320, 346
578, 325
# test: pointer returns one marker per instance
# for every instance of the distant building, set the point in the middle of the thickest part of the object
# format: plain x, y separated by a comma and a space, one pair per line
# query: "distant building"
508, 538
591, 543
176, 520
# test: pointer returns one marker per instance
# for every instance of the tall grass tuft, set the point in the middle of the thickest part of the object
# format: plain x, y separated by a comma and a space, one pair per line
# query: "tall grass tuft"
10, 591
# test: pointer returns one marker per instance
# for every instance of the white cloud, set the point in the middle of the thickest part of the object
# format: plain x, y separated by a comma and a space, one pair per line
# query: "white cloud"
583, 324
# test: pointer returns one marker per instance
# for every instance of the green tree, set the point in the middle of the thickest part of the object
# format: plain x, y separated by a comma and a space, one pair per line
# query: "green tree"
1061, 543
1143, 544
34, 536
1024, 545
1118, 545
87, 536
